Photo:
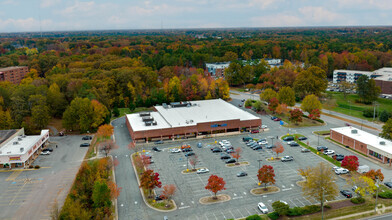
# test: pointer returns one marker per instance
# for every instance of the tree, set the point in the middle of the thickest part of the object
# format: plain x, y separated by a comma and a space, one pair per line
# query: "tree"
6, 121
258, 105
384, 116
236, 154
286, 95
363, 185
78, 115
169, 191
100, 112
296, 115
107, 145
280, 208
248, 103
273, 104
266, 175
304, 172
278, 149
146, 161
372, 174
56, 100
215, 184
310, 103
101, 195
282, 109
268, 94
350, 162
311, 81
114, 190
387, 130
105, 131
40, 116
367, 89
345, 86
320, 184
193, 160
149, 181
315, 114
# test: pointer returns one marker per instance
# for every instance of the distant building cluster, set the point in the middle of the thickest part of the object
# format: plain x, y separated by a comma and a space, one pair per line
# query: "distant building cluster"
217, 69
382, 77
14, 74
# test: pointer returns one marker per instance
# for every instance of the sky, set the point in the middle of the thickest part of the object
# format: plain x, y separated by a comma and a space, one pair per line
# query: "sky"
66, 15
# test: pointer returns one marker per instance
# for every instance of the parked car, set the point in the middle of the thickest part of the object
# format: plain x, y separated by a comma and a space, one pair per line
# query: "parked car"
229, 151
250, 143
202, 170
305, 150
232, 160
264, 126
339, 157
224, 142
388, 184
242, 173
255, 131
242, 100
199, 145
87, 138
45, 153
61, 133
225, 156
85, 145
216, 150
270, 146
288, 138
187, 150
339, 171
319, 148
262, 208
273, 118
156, 149
329, 152
257, 148
302, 138
294, 144
48, 149
287, 158
175, 150
158, 142
277, 119
346, 193
189, 154
247, 139
239, 105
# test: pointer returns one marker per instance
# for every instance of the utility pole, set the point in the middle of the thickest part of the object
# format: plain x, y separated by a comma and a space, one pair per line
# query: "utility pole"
374, 110
259, 163
378, 187
318, 140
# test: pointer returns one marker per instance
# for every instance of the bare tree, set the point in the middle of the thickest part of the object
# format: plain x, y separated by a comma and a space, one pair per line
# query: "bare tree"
193, 160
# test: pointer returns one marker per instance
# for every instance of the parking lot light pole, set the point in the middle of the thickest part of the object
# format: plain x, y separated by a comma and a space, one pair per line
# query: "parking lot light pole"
322, 204
259, 163
318, 140
378, 187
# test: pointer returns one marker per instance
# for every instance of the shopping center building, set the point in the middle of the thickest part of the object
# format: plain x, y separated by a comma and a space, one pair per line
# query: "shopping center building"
190, 119
19, 150
374, 146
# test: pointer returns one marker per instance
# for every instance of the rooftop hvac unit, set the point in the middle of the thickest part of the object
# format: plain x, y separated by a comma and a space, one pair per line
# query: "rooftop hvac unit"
9, 152
154, 123
21, 149
382, 142
147, 123
16, 143
164, 105
147, 118
23, 136
187, 121
19, 139
143, 114
354, 131
191, 121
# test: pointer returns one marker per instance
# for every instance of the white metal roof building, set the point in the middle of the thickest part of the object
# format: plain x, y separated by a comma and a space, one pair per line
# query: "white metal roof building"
369, 144
19, 149
190, 117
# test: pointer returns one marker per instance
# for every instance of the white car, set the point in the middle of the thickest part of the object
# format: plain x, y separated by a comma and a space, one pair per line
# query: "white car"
289, 142
264, 126
339, 171
224, 142
45, 153
175, 150
329, 152
202, 170
262, 208
262, 142
283, 202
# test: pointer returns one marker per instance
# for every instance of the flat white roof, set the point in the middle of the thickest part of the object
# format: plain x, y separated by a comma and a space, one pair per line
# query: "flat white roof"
353, 71
213, 110
25, 142
371, 140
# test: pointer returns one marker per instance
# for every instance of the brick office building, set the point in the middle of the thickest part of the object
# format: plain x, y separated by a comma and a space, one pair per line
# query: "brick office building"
14, 74
375, 147
190, 119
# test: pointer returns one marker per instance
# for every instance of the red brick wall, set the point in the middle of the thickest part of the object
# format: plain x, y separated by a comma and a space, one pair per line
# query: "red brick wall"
14, 75
386, 86
347, 141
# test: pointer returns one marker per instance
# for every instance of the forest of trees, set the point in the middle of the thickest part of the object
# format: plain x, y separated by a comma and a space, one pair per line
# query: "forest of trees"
80, 79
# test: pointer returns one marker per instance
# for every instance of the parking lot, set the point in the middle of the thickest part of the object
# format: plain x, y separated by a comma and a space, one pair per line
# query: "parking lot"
31, 193
243, 203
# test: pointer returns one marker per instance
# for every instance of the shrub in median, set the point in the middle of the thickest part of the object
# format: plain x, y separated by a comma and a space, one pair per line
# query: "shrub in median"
273, 215
309, 209
253, 217
357, 200
37, 167
385, 195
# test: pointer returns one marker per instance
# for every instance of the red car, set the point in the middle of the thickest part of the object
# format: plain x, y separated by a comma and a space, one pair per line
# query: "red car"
277, 119
255, 131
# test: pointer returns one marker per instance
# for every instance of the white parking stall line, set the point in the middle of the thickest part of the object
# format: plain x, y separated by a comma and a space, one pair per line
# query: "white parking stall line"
232, 214
215, 215
240, 214
224, 217
303, 204
307, 200
248, 211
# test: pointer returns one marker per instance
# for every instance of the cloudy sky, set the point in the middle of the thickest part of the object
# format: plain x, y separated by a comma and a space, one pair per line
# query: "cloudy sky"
25, 15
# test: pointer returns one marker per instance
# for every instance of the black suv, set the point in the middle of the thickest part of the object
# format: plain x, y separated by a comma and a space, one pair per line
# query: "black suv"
288, 138
48, 149
339, 157
189, 154
216, 150
346, 193
323, 148
87, 138
156, 149
85, 145
232, 160
225, 156
294, 144
302, 138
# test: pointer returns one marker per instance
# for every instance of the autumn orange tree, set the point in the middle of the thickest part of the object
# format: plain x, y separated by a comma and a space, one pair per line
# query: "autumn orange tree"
104, 134
296, 115
278, 149
114, 189
266, 175
372, 174
236, 154
169, 191
105, 131
149, 181
215, 184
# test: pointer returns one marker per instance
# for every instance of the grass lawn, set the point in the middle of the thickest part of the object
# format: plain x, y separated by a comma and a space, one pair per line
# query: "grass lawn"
322, 132
124, 111
350, 107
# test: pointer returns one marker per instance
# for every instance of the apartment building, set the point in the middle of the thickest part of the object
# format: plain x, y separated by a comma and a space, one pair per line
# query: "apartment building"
14, 74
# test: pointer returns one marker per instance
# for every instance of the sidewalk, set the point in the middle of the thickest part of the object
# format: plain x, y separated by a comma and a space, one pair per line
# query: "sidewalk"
380, 211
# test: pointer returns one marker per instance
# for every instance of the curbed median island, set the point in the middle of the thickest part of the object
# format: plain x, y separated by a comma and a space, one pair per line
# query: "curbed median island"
265, 190
212, 200
238, 164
